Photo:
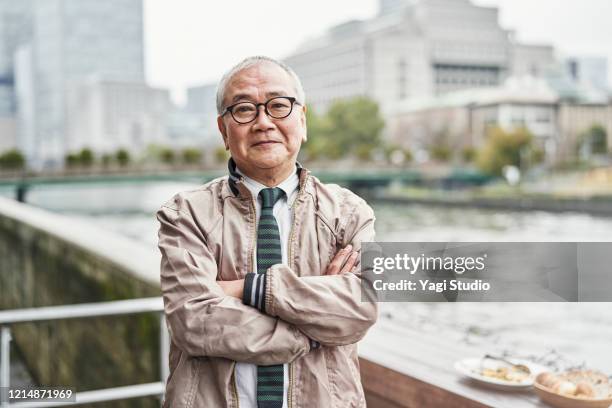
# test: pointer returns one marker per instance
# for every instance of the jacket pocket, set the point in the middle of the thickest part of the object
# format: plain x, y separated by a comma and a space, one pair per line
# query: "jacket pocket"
327, 240
344, 378
181, 389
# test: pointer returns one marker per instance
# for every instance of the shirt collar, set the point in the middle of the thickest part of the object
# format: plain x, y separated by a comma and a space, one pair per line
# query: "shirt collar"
289, 185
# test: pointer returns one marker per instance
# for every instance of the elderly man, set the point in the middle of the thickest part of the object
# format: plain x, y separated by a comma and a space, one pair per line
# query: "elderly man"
259, 269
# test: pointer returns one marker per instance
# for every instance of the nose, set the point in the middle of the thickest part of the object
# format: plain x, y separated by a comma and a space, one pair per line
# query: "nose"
263, 121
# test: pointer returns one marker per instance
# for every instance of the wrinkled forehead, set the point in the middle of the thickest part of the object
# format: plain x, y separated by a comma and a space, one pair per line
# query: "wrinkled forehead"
257, 82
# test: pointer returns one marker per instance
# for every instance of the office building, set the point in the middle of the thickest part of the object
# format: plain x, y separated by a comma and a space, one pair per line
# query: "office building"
105, 115
14, 31
15, 18
411, 49
462, 119
590, 71
196, 125
70, 40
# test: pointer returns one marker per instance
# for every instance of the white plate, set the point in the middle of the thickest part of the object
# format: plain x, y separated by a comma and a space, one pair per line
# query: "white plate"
471, 367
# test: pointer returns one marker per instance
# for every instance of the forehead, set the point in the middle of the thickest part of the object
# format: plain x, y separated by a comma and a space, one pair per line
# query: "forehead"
264, 79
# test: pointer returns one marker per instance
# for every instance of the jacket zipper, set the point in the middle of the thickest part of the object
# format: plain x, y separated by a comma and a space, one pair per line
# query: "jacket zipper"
290, 262
250, 265
234, 386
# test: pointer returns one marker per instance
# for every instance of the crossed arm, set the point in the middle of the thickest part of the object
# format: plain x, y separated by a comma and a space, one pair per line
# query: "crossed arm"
344, 261
207, 317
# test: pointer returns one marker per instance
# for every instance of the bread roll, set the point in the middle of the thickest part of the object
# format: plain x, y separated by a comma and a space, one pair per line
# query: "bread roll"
546, 379
564, 388
584, 389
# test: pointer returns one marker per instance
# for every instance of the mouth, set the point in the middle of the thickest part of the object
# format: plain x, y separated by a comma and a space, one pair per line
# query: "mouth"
264, 143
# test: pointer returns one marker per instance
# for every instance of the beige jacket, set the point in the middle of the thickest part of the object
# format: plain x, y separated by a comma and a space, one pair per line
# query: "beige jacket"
209, 234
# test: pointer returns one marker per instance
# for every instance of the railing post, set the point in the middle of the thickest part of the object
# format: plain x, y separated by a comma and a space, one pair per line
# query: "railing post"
20, 192
164, 350
5, 364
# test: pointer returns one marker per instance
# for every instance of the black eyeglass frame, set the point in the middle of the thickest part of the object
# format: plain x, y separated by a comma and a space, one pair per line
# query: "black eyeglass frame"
265, 105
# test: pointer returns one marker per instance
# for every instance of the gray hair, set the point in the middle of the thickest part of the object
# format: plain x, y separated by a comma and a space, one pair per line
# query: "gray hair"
249, 62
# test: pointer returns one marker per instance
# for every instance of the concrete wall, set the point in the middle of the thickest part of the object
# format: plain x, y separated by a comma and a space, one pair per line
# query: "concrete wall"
46, 259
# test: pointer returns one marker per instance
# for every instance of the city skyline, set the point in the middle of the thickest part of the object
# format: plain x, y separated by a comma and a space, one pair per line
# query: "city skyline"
174, 34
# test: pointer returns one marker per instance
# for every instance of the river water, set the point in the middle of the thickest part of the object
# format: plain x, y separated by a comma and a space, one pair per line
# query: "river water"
562, 334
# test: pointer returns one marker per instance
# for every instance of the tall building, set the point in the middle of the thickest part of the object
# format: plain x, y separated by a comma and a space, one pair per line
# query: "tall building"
202, 99
14, 30
68, 41
415, 49
589, 71
533, 60
197, 123
115, 114
411, 49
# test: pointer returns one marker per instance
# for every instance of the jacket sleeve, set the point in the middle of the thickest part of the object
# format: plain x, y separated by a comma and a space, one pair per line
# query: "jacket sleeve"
202, 320
332, 310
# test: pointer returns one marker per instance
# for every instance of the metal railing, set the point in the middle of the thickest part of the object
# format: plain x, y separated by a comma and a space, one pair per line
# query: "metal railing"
87, 310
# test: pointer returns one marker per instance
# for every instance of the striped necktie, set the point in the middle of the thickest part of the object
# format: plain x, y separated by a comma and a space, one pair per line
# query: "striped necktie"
269, 378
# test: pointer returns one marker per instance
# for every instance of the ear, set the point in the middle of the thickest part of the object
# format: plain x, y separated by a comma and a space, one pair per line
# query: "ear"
304, 124
223, 131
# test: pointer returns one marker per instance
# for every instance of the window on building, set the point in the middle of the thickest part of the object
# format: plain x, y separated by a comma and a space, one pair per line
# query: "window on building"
401, 66
543, 118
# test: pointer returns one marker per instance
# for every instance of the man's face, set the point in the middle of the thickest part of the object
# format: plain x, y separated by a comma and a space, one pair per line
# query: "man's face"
265, 145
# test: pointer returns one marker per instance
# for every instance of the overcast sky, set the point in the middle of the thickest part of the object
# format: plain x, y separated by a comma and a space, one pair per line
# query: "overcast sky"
190, 42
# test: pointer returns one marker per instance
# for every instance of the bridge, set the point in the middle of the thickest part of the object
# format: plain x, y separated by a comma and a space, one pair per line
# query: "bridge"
355, 179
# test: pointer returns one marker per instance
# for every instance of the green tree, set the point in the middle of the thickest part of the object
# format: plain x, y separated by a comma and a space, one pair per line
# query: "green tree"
594, 140
71, 160
221, 155
440, 148
440, 152
86, 157
354, 127
167, 156
317, 145
12, 160
395, 154
192, 155
153, 152
537, 156
468, 154
123, 157
505, 149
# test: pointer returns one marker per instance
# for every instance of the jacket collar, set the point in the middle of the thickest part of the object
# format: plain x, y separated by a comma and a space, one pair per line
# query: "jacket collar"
236, 181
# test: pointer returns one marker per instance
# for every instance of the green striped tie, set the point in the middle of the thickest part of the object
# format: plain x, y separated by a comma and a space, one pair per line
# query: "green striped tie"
269, 378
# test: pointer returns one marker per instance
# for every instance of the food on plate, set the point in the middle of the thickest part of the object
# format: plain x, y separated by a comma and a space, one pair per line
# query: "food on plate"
511, 374
587, 384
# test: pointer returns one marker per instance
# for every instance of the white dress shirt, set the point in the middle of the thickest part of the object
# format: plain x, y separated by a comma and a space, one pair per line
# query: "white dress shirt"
246, 374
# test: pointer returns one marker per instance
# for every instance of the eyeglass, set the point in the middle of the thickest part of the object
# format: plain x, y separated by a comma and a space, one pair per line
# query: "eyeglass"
277, 108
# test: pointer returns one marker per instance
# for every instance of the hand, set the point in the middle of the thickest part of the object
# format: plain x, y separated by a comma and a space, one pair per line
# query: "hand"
232, 288
344, 261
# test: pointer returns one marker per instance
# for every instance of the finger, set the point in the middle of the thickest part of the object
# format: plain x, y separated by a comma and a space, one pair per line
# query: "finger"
350, 262
339, 259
